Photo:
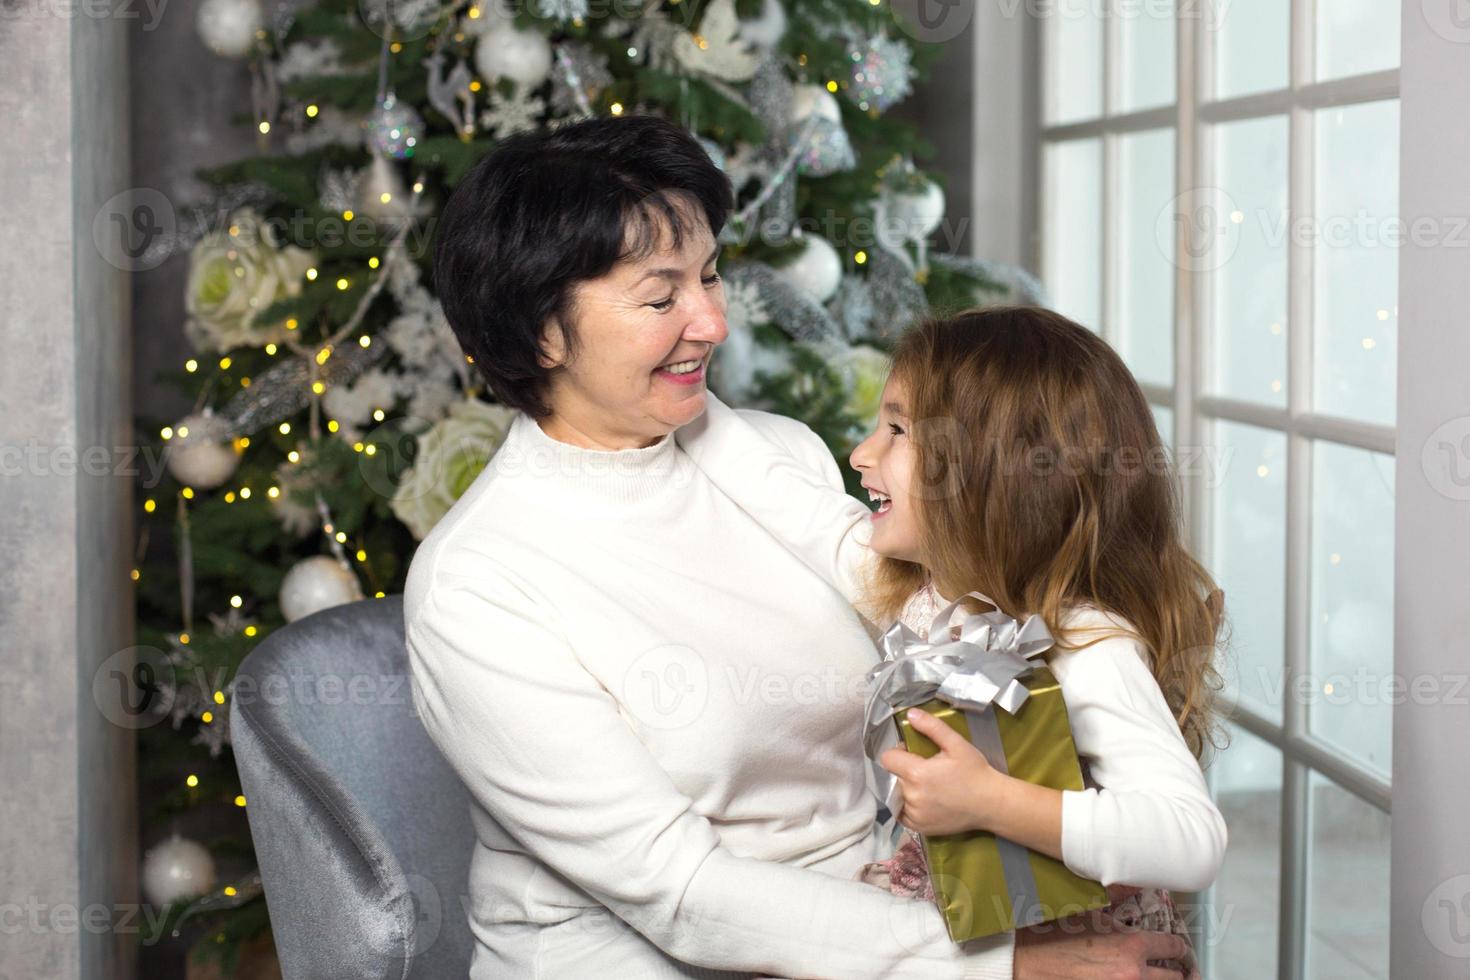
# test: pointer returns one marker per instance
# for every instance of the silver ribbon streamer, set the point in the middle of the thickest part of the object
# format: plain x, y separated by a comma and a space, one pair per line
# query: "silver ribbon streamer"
795, 311
1024, 287
1015, 864
983, 667
981, 670
285, 389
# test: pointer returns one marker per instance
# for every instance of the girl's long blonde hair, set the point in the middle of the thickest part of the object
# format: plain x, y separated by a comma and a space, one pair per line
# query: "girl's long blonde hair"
1041, 481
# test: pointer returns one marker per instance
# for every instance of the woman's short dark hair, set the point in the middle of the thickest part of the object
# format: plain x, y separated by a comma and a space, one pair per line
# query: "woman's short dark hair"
546, 210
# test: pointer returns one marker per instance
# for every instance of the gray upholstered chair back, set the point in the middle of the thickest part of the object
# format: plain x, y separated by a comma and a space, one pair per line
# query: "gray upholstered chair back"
361, 829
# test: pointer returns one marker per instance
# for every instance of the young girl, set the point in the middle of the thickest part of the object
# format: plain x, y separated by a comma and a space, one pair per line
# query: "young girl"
1015, 456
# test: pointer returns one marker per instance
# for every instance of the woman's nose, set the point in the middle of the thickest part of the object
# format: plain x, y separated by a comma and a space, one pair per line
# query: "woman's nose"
859, 459
708, 321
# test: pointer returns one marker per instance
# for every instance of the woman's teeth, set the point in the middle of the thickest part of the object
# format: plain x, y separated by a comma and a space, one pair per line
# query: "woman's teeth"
683, 367
884, 501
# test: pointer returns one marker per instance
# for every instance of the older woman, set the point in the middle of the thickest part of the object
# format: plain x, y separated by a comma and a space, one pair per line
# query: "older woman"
654, 705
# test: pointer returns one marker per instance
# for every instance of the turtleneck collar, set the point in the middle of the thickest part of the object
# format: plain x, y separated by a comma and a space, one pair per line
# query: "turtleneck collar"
610, 477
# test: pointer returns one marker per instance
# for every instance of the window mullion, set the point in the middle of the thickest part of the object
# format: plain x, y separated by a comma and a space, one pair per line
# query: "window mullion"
1109, 184
1295, 802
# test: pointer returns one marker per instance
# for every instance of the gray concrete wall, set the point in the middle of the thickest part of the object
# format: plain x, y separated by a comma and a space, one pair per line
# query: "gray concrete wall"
69, 844
184, 101
975, 108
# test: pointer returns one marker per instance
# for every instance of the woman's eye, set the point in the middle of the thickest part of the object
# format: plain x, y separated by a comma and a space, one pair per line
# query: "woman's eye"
664, 305
895, 429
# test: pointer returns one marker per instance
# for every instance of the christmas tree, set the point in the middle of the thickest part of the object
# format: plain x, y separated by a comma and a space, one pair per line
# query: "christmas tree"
336, 419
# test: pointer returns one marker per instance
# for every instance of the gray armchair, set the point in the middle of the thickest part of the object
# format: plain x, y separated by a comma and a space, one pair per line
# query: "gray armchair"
361, 829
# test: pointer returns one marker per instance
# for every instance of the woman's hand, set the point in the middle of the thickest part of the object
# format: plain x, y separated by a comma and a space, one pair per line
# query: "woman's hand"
1094, 947
947, 793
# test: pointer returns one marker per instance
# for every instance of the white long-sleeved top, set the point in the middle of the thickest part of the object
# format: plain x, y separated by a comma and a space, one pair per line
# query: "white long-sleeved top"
656, 708
1146, 817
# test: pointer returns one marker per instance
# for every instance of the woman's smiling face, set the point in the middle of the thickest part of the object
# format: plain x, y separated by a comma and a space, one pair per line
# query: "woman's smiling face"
632, 324
886, 461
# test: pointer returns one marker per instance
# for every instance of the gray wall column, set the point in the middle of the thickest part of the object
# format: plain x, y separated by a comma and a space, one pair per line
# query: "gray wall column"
1430, 929
67, 775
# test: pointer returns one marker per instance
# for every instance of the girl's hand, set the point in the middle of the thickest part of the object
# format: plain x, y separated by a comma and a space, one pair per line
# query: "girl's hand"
949, 792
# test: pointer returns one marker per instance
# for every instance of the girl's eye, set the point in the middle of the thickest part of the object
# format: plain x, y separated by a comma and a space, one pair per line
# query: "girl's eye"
895, 429
712, 279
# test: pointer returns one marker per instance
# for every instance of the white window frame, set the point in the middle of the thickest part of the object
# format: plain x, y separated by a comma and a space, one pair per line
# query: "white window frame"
1194, 411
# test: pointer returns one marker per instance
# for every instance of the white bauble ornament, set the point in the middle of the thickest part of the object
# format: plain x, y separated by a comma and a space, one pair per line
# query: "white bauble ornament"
912, 215
924, 209
176, 870
490, 15
817, 269
809, 99
316, 584
228, 27
766, 30
523, 56
198, 458
380, 181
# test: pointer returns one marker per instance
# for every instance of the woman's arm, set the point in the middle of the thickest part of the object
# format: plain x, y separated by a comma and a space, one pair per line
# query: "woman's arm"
542, 747
795, 497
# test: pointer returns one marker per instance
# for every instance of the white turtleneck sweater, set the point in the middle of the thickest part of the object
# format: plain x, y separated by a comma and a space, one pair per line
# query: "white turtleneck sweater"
1146, 817
656, 708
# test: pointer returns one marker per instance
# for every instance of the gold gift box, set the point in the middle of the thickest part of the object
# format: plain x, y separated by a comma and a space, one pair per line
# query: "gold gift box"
969, 870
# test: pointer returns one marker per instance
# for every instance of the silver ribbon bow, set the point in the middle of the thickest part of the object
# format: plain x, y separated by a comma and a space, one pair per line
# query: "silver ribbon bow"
984, 667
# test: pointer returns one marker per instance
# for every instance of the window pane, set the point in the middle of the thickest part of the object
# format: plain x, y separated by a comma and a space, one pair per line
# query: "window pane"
1252, 52
1248, 287
1351, 706
1073, 228
1248, 557
1164, 420
1145, 327
1347, 890
1074, 39
1356, 36
1356, 282
1242, 920
1146, 56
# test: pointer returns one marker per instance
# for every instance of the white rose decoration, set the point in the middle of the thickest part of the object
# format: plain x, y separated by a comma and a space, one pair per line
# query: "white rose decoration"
450, 456
863, 371
234, 273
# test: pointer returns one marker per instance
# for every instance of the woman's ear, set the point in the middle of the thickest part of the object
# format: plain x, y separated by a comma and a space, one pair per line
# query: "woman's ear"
551, 352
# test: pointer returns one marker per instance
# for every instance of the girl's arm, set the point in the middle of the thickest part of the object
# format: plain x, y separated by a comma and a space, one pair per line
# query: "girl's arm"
1151, 823
796, 495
